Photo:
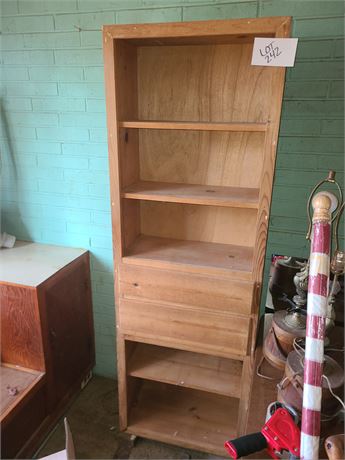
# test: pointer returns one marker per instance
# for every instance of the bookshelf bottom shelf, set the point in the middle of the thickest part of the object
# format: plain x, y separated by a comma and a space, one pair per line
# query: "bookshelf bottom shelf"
185, 417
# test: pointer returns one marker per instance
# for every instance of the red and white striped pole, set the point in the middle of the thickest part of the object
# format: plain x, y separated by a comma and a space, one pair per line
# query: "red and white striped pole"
315, 332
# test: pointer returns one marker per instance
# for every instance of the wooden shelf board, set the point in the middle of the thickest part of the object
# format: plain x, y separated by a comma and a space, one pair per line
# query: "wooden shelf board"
181, 345
186, 369
234, 197
25, 380
196, 125
192, 256
185, 417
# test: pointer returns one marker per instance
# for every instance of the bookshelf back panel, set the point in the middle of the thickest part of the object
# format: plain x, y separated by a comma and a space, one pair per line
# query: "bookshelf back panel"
202, 83
195, 157
211, 224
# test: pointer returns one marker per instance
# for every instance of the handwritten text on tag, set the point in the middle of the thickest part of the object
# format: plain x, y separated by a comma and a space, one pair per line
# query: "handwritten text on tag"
276, 52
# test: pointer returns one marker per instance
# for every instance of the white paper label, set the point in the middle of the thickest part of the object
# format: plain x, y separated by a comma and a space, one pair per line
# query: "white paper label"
275, 52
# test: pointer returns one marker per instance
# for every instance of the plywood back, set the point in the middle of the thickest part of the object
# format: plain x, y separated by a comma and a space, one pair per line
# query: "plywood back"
194, 157
125, 64
202, 83
199, 223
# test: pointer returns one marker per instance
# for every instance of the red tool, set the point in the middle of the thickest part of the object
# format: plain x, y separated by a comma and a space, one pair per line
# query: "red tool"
280, 433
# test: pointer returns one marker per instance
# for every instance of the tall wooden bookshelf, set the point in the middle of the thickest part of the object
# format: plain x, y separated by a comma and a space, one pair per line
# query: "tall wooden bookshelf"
192, 133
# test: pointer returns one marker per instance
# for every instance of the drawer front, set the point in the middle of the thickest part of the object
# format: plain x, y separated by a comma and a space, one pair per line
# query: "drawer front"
208, 292
188, 328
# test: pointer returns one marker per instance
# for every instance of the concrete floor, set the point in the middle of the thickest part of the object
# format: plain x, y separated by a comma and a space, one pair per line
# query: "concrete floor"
93, 421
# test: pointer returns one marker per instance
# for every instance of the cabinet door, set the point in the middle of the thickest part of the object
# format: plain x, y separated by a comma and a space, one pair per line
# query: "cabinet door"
21, 340
67, 319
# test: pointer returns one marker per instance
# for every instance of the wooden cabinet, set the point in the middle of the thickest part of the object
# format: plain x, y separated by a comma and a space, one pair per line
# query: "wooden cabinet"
47, 341
192, 133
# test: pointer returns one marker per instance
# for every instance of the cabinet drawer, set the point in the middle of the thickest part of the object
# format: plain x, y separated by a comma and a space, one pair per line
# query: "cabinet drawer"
209, 292
188, 328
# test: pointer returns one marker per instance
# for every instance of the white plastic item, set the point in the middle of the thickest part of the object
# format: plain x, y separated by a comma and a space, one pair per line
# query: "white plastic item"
69, 452
6, 240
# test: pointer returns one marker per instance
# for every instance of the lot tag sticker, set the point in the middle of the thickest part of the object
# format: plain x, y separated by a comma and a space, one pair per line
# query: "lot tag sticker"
274, 52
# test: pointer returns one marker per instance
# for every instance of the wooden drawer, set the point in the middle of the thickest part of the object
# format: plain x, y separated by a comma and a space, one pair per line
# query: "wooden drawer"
207, 292
187, 328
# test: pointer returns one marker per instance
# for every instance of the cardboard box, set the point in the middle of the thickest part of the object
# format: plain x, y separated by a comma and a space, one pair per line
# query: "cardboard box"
69, 452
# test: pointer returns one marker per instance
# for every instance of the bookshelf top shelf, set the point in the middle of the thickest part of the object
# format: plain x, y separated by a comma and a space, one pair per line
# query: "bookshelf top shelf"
234, 197
197, 125
199, 32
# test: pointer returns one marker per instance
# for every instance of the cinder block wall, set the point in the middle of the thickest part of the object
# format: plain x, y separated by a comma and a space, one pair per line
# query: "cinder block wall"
53, 142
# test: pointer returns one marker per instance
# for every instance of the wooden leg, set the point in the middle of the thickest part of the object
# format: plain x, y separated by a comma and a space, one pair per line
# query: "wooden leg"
122, 384
246, 383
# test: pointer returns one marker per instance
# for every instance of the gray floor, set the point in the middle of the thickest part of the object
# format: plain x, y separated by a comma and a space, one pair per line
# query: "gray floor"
93, 422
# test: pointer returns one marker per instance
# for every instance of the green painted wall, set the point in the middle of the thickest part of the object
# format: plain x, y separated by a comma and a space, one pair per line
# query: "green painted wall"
53, 143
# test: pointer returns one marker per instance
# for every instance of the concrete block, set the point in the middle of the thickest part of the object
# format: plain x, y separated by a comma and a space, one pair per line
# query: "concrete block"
83, 21
306, 89
225, 11
31, 89
62, 161
332, 27
98, 135
302, 126
52, 40
99, 5
44, 6
324, 70
85, 149
314, 49
87, 120
99, 164
12, 41
95, 105
101, 218
38, 146
66, 214
99, 190
16, 103
64, 187
148, 15
59, 104
337, 89
91, 38
310, 145
90, 177
28, 57
339, 48
104, 242
332, 127
94, 74
26, 24
9, 7
79, 57
32, 119
63, 134
56, 73
21, 132
313, 109
64, 239
81, 89
299, 8
12, 74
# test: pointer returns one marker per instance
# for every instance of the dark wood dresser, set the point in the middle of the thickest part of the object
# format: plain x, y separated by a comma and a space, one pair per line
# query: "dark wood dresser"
47, 339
